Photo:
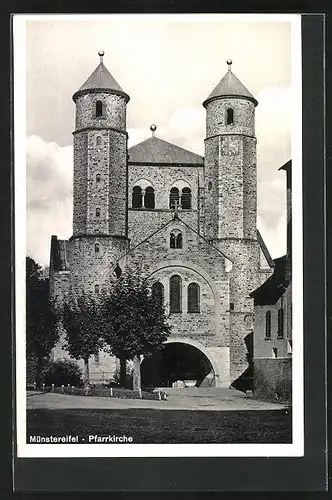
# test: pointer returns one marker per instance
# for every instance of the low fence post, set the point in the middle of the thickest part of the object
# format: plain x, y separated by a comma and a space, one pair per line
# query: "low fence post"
63, 388
159, 395
43, 387
140, 393
111, 392
52, 387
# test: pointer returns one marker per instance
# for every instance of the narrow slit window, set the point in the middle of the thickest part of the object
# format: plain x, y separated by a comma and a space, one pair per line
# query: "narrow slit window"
97, 212
280, 323
99, 109
96, 288
97, 248
98, 140
230, 116
98, 177
268, 325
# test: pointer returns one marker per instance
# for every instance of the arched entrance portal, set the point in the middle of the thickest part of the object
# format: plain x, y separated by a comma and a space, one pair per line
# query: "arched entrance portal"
177, 361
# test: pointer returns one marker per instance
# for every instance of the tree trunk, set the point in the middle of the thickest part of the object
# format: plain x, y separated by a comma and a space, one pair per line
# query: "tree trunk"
39, 367
137, 373
123, 371
86, 375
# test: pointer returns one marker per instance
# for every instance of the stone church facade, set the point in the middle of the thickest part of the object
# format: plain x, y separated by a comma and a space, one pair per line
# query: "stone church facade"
187, 222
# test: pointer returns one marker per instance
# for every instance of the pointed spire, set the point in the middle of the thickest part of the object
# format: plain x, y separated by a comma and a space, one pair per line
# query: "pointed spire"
101, 80
230, 86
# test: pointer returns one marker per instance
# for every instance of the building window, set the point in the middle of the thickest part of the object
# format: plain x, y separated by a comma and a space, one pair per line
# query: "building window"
280, 332
209, 185
186, 198
96, 288
231, 306
274, 352
248, 322
289, 346
97, 248
175, 294
97, 359
175, 239
98, 177
193, 298
173, 197
117, 271
99, 109
97, 212
230, 116
98, 140
268, 325
149, 197
158, 292
137, 197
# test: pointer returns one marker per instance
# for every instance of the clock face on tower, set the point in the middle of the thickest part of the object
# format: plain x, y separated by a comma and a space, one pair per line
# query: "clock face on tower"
230, 146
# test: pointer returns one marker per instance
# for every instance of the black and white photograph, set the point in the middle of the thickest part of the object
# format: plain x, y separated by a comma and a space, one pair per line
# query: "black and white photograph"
158, 273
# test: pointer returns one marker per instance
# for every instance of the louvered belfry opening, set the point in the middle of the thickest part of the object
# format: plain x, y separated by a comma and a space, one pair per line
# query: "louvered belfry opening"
173, 197
137, 197
149, 199
186, 198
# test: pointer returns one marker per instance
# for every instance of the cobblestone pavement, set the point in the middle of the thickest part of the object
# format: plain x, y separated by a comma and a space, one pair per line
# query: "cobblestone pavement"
223, 399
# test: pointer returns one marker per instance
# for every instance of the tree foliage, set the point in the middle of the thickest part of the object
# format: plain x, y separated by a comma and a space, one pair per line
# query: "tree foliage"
41, 317
82, 323
134, 320
62, 372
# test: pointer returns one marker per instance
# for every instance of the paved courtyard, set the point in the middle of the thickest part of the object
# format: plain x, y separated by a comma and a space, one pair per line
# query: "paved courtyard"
183, 399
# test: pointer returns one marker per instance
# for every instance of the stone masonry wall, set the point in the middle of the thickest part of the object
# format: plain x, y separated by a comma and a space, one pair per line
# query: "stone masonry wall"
114, 111
196, 262
244, 117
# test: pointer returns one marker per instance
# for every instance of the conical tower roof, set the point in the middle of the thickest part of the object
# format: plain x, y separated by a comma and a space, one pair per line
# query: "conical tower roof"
101, 80
230, 86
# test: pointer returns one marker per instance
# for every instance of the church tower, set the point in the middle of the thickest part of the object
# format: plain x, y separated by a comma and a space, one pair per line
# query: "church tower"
100, 181
230, 209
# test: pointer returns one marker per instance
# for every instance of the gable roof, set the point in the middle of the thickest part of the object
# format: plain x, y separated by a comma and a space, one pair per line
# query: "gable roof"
157, 151
264, 249
101, 80
230, 86
273, 288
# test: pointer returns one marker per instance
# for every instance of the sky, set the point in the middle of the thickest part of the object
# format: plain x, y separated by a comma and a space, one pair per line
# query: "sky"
168, 65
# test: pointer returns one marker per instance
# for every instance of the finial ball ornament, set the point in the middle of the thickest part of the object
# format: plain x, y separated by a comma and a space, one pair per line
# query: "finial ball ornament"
153, 127
229, 62
101, 53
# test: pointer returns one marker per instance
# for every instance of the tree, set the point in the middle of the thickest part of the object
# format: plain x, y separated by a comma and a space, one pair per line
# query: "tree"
41, 318
81, 321
62, 372
134, 321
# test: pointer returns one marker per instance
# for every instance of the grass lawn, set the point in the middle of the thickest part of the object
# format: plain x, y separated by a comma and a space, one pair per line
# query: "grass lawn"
163, 426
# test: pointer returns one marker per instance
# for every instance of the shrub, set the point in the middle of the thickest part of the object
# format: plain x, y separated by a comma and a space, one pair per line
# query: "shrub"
62, 372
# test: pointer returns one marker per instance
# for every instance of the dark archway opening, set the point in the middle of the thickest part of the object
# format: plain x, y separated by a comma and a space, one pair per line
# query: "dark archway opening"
177, 362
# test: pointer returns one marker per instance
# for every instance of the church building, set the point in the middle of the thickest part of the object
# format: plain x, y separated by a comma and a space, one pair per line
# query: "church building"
188, 222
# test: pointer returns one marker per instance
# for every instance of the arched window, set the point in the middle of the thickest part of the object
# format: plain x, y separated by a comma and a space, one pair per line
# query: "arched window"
178, 241
173, 197
175, 294
98, 140
268, 325
149, 197
97, 248
137, 197
186, 198
99, 109
175, 239
193, 298
98, 177
280, 333
97, 212
230, 116
158, 292
248, 322
96, 288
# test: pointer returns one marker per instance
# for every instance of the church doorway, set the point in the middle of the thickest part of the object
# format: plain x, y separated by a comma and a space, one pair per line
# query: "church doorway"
177, 365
